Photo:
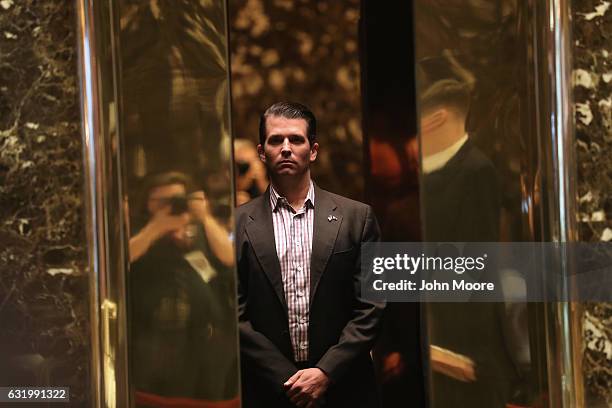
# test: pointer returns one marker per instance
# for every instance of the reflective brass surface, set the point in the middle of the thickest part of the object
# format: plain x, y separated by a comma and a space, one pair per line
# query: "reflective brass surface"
104, 216
496, 141
181, 287
155, 98
557, 138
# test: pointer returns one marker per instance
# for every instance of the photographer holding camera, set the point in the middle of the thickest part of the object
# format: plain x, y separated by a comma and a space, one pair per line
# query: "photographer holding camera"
170, 210
181, 292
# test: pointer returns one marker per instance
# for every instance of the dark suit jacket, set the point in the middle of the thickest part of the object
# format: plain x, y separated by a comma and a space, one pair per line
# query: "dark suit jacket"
462, 204
343, 325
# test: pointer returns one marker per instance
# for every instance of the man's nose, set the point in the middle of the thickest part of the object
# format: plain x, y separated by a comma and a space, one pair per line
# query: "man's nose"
286, 147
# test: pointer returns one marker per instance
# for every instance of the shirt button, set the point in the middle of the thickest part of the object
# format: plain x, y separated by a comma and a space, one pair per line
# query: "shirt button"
299, 268
300, 293
297, 243
303, 345
304, 320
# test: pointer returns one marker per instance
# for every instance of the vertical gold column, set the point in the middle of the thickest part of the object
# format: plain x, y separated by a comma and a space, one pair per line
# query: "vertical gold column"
103, 217
558, 177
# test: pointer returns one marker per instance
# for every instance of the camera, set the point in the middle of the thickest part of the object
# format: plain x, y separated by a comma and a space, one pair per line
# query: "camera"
178, 205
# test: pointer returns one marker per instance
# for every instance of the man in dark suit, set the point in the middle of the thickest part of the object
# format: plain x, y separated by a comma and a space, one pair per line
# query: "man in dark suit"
470, 357
305, 330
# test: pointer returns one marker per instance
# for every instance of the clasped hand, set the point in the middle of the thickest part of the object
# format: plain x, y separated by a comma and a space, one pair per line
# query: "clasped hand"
306, 387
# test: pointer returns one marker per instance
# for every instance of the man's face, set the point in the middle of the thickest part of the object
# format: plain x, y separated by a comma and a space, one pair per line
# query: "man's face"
287, 151
159, 197
159, 203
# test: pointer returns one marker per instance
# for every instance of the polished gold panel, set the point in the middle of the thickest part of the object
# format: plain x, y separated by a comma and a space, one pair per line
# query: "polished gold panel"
496, 143
156, 108
175, 115
104, 219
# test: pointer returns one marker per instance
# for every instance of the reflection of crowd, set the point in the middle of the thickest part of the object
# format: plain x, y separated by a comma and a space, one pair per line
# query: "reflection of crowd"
250, 173
181, 298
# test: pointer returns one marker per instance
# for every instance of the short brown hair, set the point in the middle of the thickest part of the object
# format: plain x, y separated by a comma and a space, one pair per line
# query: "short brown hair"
448, 93
160, 180
289, 110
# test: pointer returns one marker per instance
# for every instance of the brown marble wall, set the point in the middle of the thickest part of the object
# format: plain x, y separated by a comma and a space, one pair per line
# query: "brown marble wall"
592, 21
305, 51
44, 333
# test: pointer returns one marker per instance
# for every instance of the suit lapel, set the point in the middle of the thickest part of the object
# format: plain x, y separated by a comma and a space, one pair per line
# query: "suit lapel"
327, 221
260, 231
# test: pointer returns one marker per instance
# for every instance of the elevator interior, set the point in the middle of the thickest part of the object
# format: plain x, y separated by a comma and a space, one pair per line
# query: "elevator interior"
157, 125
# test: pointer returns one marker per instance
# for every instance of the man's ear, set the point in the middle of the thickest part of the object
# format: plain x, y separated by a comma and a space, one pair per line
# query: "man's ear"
261, 153
313, 152
433, 120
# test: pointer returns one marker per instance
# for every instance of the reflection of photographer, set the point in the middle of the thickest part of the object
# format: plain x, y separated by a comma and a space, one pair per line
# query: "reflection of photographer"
182, 306
173, 213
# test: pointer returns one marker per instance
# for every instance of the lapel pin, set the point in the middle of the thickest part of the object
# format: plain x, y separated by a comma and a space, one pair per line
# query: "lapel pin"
331, 218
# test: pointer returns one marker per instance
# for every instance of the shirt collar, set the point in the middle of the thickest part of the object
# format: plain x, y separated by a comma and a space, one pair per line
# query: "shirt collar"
438, 160
277, 200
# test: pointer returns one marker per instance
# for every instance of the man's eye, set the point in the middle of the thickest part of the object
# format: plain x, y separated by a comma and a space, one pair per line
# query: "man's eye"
274, 140
297, 139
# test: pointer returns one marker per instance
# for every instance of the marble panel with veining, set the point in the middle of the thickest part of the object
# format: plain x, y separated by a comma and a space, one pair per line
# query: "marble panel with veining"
592, 83
44, 335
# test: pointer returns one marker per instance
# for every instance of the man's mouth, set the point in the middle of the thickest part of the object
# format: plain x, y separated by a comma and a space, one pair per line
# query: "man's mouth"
280, 163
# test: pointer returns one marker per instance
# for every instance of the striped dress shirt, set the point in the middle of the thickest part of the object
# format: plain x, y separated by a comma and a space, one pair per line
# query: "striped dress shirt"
293, 237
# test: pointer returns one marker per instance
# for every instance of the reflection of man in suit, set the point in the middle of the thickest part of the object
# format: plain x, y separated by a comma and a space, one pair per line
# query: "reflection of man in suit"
305, 330
471, 363
460, 182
